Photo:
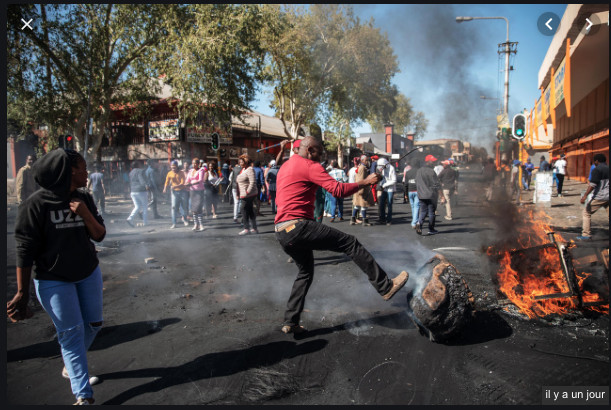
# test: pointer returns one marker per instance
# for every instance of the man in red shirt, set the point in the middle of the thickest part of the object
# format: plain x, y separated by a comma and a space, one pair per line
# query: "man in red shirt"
299, 235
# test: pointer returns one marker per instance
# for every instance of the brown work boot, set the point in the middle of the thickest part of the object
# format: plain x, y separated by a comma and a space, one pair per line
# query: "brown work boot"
293, 329
397, 283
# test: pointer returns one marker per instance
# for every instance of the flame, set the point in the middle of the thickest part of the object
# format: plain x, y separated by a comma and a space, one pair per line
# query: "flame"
547, 278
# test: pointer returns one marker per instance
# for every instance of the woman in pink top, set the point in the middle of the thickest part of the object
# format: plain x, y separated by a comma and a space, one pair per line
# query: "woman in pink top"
195, 182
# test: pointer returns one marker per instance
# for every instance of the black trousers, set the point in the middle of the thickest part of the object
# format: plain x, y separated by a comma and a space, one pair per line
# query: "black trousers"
249, 218
308, 236
560, 183
427, 208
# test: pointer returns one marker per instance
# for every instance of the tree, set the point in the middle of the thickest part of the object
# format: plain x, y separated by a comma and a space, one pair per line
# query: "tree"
419, 125
82, 56
401, 117
319, 63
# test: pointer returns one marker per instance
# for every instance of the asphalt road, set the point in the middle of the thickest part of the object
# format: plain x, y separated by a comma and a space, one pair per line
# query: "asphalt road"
201, 323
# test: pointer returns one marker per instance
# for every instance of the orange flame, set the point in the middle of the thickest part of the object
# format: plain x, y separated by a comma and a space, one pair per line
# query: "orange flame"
522, 288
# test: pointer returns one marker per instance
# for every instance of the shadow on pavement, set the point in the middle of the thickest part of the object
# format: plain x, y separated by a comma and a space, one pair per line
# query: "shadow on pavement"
212, 365
107, 337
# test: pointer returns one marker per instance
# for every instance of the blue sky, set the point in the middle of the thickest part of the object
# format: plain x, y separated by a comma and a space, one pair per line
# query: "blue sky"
445, 66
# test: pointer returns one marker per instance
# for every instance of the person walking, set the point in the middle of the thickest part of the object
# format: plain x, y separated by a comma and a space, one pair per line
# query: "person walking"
234, 190
528, 168
248, 191
515, 180
387, 191
195, 182
598, 185
299, 235
53, 234
270, 179
428, 186
409, 182
337, 204
98, 191
225, 172
489, 172
363, 198
560, 169
211, 195
25, 185
176, 178
543, 164
449, 185
138, 185
151, 176
260, 187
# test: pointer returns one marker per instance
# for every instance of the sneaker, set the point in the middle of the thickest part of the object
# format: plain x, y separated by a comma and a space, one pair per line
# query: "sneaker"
92, 379
201, 229
296, 329
449, 218
418, 229
433, 232
332, 220
388, 223
397, 283
213, 216
172, 226
244, 232
195, 227
185, 222
235, 220
341, 219
130, 223
254, 231
584, 238
84, 401
560, 195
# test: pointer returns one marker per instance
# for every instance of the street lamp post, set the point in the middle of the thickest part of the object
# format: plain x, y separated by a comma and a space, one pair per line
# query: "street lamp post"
507, 49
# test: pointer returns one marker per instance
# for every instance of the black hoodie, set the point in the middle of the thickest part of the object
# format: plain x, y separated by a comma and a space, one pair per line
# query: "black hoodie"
48, 234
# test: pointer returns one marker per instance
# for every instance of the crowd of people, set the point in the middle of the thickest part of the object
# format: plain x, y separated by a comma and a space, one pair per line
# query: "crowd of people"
61, 211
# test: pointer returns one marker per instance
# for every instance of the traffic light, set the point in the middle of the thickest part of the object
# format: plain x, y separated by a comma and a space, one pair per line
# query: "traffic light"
215, 141
519, 126
69, 142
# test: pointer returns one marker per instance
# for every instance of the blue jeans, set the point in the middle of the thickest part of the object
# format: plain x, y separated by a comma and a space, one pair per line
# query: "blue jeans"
180, 199
336, 204
74, 307
415, 203
328, 201
385, 200
141, 203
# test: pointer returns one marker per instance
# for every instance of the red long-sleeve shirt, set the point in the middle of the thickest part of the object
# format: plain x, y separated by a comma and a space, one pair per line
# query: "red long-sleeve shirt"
296, 185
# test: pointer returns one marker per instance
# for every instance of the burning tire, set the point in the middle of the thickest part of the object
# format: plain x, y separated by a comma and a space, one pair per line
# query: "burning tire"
441, 303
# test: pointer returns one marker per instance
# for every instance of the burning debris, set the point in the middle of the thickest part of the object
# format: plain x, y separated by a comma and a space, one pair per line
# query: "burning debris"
441, 303
536, 273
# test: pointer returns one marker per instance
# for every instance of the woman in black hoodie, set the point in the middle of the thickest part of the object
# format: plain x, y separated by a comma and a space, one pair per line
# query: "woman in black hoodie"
53, 233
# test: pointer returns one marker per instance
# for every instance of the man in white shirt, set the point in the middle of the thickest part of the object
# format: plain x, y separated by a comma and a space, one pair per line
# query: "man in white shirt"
387, 188
560, 168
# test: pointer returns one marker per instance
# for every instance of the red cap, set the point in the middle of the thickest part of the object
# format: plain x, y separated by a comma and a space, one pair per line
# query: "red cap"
296, 143
430, 158
375, 157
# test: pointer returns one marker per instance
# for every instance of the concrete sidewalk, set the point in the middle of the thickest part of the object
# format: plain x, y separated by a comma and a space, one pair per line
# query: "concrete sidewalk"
566, 212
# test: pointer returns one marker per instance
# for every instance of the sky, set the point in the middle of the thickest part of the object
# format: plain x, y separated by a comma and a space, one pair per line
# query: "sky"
445, 66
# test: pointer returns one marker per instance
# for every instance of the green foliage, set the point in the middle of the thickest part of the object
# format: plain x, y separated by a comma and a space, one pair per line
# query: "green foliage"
324, 61
96, 55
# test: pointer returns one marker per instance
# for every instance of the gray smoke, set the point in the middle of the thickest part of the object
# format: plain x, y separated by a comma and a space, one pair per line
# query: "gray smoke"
439, 57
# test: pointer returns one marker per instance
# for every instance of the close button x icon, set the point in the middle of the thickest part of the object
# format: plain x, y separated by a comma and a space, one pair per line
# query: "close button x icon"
27, 24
